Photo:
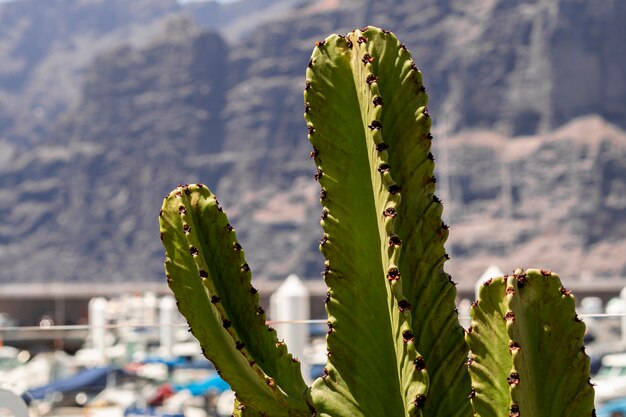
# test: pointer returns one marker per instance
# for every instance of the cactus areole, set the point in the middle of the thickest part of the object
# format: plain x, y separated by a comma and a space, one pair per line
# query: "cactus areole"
395, 345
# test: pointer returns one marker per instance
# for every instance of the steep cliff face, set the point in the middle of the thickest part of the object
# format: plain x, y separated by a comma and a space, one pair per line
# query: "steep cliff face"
88, 201
44, 46
175, 104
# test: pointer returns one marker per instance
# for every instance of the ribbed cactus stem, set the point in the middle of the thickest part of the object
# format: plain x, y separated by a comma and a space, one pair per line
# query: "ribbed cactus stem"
208, 273
528, 357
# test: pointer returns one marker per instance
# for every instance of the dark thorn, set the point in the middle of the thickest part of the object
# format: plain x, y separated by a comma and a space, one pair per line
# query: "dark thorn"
190, 330
322, 194
318, 174
514, 346
371, 79
425, 112
393, 274
469, 362
199, 185
394, 189
513, 379
365, 29
404, 305
182, 209
349, 43
413, 66
239, 345
327, 298
378, 101
386, 32
593, 413
160, 213
375, 125
382, 147
577, 319
419, 363
168, 278
245, 268
310, 64
450, 280
433, 179
514, 411
187, 189
590, 383
367, 59
306, 109
436, 199
193, 251
429, 136
325, 373
323, 240
390, 212
419, 401
431, 156
472, 394
226, 324
330, 327
403, 46
310, 129
215, 299
383, 168
362, 39
407, 336
313, 153
445, 255
270, 329
186, 228
510, 290
320, 43
422, 89
204, 274
295, 360
241, 407
307, 85
521, 280
219, 208
177, 194
324, 213
509, 316
444, 226
253, 290
229, 227
546, 273
394, 241
565, 292
237, 246
260, 311
161, 236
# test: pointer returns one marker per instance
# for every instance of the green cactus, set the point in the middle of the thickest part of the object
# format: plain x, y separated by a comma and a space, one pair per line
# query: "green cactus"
395, 344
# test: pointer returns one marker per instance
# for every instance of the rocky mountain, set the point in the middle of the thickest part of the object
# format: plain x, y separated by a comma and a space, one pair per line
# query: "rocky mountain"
528, 113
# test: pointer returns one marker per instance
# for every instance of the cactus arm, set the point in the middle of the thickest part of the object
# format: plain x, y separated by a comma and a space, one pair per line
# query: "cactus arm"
371, 369
429, 290
491, 362
206, 269
528, 378
551, 363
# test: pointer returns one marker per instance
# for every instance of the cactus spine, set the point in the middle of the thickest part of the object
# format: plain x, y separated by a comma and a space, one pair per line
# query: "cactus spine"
395, 344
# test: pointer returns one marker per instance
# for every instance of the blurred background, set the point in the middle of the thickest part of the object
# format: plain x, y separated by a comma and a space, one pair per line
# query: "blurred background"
107, 105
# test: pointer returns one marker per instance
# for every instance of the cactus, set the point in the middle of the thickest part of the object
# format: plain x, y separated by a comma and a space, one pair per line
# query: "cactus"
395, 344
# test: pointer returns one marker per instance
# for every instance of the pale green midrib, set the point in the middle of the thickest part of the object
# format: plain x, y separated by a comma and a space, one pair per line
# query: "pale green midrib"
359, 77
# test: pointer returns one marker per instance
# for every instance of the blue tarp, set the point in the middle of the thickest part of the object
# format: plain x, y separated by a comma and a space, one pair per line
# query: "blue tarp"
202, 387
94, 379
150, 411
